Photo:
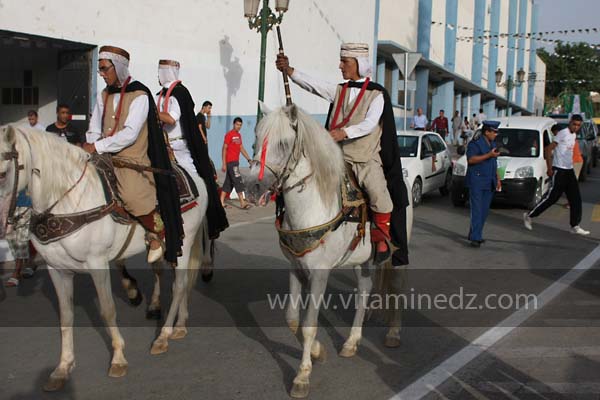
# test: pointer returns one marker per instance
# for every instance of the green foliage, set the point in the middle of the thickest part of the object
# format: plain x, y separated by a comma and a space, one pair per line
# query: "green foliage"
571, 72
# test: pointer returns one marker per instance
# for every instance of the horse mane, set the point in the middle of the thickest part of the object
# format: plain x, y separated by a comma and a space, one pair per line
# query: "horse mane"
323, 153
62, 165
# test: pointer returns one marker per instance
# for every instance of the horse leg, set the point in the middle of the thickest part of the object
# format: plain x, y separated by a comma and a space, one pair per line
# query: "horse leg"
397, 287
101, 277
364, 289
153, 311
161, 343
63, 284
292, 312
129, 284
318, 284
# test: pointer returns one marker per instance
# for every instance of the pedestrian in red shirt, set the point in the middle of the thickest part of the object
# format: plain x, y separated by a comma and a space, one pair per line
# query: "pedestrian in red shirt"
440, 125
232, 146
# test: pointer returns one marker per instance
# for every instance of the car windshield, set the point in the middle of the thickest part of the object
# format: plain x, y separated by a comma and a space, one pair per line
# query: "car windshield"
518, 142
408, 145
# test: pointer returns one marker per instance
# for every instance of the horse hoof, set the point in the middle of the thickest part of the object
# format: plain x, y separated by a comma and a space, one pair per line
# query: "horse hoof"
153, 314
321, 357
178, 333
207, 276
54, 384
348, 351
300, 390
159, 348
392, 342
137, 300
117, 370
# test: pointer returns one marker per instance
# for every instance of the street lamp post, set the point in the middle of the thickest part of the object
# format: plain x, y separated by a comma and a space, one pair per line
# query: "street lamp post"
509, 84
263, 23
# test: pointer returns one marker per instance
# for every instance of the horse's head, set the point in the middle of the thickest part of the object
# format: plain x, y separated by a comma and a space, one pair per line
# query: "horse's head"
8, 173
277, 147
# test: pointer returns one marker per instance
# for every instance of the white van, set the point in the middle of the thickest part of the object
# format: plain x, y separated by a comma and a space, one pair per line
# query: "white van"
521, 164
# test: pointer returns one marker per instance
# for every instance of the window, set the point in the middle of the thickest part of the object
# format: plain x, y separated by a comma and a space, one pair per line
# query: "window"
437, 143
25, 95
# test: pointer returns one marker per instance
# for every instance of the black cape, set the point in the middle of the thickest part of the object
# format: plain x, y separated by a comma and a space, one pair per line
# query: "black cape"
217, 219
392, 168
167, 192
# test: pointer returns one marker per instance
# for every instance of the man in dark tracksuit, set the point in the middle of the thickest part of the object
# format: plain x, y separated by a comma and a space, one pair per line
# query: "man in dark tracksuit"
560, 169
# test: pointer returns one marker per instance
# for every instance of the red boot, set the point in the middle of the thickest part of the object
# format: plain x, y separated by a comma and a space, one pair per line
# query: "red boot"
380, 234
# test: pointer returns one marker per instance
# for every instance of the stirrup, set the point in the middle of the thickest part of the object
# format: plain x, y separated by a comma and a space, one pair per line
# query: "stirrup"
154, 255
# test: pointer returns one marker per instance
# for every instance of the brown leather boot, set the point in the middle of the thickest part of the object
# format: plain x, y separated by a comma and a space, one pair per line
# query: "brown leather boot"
380, 235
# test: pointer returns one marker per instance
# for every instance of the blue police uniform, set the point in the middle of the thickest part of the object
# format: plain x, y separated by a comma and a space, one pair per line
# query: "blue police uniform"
481, 180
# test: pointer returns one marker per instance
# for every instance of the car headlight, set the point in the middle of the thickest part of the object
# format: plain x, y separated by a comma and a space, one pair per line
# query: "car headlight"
459, 170
405, 172
524, 172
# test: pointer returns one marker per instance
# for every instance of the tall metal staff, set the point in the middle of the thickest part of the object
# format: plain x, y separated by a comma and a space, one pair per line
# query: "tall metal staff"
286, 82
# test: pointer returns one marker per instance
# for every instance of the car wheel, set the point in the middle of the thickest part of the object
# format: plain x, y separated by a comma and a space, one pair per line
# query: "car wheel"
536, 197
458, 197
444, 190
417, 192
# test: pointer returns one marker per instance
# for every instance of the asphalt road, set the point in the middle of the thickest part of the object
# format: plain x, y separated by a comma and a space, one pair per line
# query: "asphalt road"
239, 348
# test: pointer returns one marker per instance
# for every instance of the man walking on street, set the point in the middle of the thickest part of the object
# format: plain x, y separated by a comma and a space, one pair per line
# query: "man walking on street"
203, 118
32, 118
456, 130
419, 121
440, 125
63, 127
232, 146
560, 169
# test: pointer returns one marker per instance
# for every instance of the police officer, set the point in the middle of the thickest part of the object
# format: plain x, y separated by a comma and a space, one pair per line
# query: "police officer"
482, 178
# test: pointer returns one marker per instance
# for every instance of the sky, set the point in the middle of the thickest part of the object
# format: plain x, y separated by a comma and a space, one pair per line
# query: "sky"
569, 14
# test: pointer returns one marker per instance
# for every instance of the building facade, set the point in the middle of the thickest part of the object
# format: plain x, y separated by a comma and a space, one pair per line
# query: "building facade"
462, 44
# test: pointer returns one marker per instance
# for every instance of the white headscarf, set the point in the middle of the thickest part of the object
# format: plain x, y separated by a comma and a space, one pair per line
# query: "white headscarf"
359, 51
119, 58
168, 71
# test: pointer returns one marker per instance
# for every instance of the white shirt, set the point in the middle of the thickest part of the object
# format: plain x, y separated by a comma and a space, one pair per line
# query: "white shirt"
482, 117
420, 121
36, 126
175, 134
327, 90
136, 117
563, 153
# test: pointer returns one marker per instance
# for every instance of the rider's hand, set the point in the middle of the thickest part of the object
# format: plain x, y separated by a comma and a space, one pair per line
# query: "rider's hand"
283, 64
338, 135
550, 172
224, 168
89, 147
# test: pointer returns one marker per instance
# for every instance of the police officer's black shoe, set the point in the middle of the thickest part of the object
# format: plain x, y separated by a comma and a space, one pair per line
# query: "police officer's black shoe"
482, 241
475, 243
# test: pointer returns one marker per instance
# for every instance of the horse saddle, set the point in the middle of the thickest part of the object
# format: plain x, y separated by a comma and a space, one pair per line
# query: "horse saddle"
48, 227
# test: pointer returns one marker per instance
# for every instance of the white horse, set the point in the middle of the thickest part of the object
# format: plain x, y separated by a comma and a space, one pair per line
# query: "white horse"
307, 165
55, 171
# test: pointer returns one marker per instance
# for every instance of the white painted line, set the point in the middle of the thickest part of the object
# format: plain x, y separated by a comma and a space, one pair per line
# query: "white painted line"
454, 363
238, 224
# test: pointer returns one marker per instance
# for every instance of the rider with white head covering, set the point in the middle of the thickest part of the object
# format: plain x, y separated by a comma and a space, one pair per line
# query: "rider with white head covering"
359, 115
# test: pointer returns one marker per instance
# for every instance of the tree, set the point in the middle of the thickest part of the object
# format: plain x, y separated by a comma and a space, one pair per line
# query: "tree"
574, 69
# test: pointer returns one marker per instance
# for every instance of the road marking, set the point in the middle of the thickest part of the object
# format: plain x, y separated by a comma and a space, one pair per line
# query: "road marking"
596, 213
434, 378
238, 224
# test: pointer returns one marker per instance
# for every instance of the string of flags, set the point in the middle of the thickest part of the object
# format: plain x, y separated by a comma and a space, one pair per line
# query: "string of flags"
527, 35
480, 39
469, 40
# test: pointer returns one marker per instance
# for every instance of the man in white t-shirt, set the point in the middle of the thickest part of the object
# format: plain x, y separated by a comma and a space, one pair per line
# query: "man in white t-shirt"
560, 169
419, 121
481, 117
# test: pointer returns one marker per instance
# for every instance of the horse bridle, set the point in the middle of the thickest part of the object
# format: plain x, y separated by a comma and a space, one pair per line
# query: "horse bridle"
14, 156
283, 173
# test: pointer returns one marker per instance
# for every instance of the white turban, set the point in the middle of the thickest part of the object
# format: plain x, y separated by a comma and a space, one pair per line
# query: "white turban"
119, 58
168, 71
359, 51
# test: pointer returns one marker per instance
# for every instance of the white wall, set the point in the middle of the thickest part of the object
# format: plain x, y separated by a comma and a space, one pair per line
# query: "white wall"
438, 32
218, 52
399, 21
464, 49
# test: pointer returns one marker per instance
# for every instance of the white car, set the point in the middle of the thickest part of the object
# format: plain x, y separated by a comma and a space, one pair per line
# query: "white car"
426, 162
521, 165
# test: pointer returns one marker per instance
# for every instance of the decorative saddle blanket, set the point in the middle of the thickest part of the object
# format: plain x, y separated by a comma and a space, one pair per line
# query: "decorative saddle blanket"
354, 209
48, 227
